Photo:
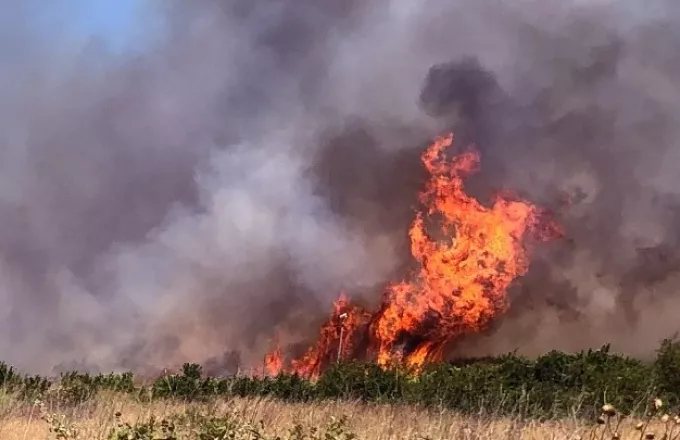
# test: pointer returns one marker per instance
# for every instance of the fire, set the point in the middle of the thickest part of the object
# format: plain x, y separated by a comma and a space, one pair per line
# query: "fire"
273, 361
463, 277
467, 256
338, 339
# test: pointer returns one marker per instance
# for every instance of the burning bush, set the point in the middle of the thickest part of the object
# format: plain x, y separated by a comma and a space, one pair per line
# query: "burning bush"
467, 256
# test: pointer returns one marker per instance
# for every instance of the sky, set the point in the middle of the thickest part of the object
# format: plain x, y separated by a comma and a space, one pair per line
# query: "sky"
117, 21
123, 25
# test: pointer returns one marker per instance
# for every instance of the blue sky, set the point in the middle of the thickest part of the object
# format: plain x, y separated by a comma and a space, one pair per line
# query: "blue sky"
122, 24
116, 21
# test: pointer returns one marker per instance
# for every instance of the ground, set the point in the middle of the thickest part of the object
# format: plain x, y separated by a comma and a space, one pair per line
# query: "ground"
240, 419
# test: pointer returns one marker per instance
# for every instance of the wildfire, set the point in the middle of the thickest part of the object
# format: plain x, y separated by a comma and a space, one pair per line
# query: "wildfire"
273, 361
467, 254
339, 338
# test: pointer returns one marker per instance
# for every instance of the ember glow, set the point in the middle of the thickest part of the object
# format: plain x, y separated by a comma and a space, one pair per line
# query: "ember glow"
467, 256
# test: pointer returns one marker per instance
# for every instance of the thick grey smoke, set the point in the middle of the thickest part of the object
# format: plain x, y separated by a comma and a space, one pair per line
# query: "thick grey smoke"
189, 202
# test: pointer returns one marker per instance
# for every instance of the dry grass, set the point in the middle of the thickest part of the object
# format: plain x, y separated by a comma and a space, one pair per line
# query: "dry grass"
94, 420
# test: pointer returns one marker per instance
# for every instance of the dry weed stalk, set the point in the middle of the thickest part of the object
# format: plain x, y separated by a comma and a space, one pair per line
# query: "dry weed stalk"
117, 416
608, 424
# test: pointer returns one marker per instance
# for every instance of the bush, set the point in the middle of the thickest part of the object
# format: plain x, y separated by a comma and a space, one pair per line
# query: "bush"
553, 385
75, 388
29, 387
667, 369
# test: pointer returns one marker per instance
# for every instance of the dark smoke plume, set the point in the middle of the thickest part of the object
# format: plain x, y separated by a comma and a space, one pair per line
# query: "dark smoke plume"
225, 184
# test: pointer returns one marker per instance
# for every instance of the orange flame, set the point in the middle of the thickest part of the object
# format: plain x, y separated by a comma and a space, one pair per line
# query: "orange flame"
273, 361
337, 341
463, 277
467, 254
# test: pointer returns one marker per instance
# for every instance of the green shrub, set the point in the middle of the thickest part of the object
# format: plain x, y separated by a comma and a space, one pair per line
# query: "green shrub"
667, 369
190, 385
553, 385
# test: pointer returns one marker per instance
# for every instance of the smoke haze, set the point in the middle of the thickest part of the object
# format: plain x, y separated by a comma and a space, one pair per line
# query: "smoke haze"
188, 203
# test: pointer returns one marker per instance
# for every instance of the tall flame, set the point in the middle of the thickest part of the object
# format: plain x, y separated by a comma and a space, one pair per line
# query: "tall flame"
467, 254
463, 277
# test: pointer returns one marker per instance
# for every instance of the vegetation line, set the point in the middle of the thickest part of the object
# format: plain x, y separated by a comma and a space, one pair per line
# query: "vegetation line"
555, 385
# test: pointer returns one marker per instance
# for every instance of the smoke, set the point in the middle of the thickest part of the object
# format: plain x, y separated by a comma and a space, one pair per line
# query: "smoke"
191, 201
593, 125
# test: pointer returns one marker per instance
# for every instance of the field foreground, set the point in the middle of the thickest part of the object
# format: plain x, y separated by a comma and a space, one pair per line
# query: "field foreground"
118, 416
589, 395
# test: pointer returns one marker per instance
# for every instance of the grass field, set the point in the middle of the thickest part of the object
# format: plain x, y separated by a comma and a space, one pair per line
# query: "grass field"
244, 418
593, 395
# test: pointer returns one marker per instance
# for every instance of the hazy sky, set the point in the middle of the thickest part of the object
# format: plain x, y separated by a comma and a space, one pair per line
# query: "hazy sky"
121, 24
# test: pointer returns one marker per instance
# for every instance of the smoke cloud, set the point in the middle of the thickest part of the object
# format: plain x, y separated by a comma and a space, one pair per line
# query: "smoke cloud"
189, 202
